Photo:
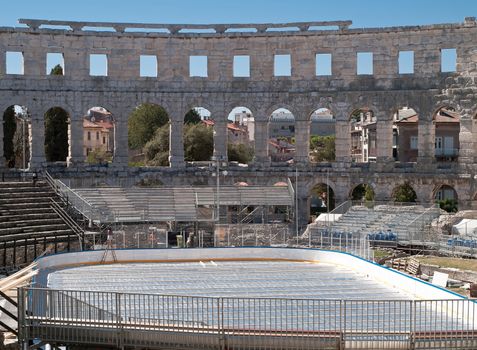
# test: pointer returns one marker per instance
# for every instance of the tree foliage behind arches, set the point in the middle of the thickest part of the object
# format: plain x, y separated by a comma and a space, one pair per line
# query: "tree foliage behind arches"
404, 193
143, 123
9, 128
56, 134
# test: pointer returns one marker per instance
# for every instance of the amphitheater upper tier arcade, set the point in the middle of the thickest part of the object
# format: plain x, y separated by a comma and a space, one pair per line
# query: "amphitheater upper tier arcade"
383, 89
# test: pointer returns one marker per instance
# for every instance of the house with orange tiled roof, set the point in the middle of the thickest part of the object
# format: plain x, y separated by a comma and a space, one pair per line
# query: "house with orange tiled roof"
236, 133
406, 143
98, 131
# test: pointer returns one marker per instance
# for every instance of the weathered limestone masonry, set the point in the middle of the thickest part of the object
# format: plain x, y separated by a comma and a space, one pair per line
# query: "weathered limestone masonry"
303, 92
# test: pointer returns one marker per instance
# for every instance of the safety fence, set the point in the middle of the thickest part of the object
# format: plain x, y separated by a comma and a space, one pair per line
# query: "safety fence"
279, 235
165, 321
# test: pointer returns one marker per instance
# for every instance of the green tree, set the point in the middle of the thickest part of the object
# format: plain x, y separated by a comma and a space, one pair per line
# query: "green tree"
9, 128
156, 151
198, 142
56, 70
198, 145
99, 156
21, 143
404, 193
56, 134
369, 194
240, 153
322, 148
56, 129
143, 123
192, 117
363, 191
448, 204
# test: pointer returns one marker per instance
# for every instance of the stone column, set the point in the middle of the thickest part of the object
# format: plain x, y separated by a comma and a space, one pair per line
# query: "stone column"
220, 139
76, 63
384, 141
466, 142
37, 139
426, 141
176, 144
261, 143
75, 131
342, 142
34, 62
303, 209
120, 157
3, 67
302, 141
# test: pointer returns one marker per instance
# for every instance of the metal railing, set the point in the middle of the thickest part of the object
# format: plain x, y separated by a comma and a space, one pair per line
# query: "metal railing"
280, 235
188, 322
79, 203
446, 152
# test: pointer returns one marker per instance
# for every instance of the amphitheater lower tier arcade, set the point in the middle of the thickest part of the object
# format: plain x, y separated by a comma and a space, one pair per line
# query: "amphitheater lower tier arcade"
383, 88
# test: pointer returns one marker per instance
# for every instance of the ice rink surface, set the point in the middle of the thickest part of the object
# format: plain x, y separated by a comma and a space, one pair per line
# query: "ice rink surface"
271, 279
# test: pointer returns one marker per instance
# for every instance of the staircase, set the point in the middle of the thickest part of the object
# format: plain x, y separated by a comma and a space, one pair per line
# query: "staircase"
32, 222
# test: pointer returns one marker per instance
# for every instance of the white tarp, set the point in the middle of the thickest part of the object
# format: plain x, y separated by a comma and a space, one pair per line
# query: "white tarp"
328, 217
465, 227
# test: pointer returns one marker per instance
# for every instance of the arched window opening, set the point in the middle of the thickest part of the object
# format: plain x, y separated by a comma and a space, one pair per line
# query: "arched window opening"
281, 143
240, 135
405, 135
363, 136
17, 137
322, 136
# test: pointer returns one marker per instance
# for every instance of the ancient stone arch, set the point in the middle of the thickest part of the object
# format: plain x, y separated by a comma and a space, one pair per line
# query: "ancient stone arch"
175, 90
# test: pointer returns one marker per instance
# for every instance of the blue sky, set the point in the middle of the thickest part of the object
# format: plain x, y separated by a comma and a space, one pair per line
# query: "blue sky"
363, 13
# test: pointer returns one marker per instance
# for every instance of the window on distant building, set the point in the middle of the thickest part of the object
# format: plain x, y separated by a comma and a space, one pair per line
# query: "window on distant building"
89, 136
413, 144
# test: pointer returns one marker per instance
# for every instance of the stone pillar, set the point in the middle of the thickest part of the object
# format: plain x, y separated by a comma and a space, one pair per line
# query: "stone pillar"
75, 133
261, 143
343, 142
120, 155
220, 139
3, 66
176, 144
466, 142
302, 141
34, 62
37, 139
384, 141
426, 141
76, 63
303, 209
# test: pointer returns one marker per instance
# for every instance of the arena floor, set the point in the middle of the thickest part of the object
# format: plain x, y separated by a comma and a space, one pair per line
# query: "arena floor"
253, 279
270, 294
